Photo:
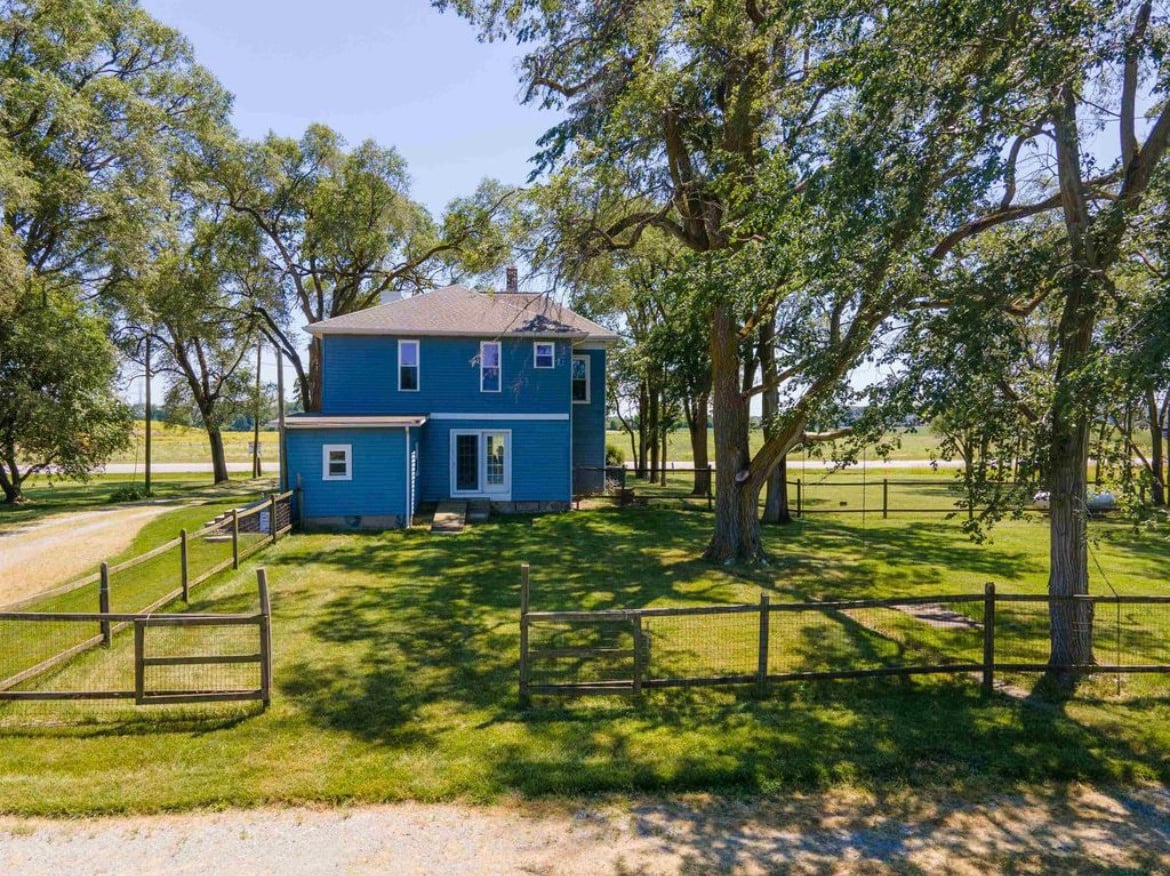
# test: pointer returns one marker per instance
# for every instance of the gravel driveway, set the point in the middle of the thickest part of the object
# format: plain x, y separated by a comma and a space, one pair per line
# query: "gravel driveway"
38, 556
1073, 829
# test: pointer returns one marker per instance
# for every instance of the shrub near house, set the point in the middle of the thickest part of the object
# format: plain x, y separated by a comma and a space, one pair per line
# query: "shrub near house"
453, 394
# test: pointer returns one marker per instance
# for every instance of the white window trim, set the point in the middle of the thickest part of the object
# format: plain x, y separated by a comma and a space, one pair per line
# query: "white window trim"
588, 381
326, 449
536, 345
503, 494
417, 359
499, 360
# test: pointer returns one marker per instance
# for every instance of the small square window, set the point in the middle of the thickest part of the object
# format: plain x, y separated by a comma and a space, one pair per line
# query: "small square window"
489, 367
336, 462
545, 354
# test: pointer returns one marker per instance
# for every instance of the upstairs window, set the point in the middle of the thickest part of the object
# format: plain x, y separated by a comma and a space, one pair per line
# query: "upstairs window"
580, 380
408, 366
545, 354
336, 462
489, 366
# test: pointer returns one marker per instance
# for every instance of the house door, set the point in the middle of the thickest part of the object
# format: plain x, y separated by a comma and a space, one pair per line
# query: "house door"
481, 464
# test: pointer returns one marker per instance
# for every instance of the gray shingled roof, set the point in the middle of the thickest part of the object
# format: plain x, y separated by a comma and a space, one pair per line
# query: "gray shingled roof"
457, 310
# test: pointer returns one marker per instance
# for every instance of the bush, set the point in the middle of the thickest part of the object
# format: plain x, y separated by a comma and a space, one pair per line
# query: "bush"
128, 493
614, 455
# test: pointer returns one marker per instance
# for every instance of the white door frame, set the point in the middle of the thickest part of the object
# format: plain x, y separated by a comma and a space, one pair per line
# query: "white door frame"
503, 492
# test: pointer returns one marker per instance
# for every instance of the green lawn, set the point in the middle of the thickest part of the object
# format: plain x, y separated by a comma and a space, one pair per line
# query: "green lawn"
396, 662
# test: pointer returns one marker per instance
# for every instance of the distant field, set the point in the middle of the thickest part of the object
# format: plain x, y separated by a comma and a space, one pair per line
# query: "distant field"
188, 444
920, 444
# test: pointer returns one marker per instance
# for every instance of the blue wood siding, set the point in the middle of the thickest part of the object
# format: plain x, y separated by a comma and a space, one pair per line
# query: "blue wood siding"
360, 376
589, 426
378, 459
540, 458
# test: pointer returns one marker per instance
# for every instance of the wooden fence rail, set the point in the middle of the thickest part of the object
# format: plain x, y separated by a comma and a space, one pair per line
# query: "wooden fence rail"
641, 676
143, 694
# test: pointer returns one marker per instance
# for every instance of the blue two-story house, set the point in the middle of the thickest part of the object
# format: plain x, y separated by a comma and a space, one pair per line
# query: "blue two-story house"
453, 394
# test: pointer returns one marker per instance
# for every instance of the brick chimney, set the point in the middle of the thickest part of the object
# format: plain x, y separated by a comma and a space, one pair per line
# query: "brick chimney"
513, 279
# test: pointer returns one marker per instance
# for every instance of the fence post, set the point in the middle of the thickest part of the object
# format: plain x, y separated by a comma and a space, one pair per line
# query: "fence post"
235, 538
799, 498
524, 698
272, 517
710, 486
104, 603
885, 498
988, 637
639, 669
762, 663
184, 572
265, 638
139, 663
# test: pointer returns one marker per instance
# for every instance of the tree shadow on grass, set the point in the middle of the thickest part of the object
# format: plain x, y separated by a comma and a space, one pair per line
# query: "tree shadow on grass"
411, 641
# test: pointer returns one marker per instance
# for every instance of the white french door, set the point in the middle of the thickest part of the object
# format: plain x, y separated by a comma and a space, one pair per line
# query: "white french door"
481, 463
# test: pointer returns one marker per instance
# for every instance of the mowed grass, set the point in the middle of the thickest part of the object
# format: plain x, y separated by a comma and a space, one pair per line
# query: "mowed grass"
396, 673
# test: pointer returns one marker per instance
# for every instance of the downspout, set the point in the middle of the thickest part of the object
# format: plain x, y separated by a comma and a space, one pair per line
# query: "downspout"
410, 510
572, 423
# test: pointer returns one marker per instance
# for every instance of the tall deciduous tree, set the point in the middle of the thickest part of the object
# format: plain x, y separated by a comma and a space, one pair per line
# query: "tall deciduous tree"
728, 124
339, 229
59, 409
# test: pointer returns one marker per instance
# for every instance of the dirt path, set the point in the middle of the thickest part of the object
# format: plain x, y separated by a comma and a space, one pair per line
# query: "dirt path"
55, 549
1076, 829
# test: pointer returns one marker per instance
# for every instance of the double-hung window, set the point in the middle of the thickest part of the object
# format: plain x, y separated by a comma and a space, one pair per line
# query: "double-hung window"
580, 380
337, 462
544, 354
408, 365
490, 379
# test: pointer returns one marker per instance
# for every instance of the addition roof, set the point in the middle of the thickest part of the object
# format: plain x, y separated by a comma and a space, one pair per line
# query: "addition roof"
459, 311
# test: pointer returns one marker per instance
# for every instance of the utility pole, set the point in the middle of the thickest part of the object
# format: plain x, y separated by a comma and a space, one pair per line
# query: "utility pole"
256, 417
148, 415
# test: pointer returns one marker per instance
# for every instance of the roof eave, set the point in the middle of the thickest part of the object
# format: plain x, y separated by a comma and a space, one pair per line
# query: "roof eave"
321, 331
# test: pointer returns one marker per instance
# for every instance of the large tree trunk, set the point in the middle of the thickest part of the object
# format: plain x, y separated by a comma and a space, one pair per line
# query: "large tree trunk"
1157, 463
776, 496
652, 428
643, 427
311, 386
11, 482
218, 458
697, 425
1072, 622
736, 535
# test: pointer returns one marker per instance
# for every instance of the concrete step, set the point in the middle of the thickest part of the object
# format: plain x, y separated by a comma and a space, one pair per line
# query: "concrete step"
450, 517
479, 510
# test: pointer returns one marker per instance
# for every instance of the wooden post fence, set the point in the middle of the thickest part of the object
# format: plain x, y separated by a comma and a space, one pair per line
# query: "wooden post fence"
989, 637
762, 662
184, 572
639, 655
710, 487
524, 698
272, 517
799, 498
104, 604
235, 538
265, 638
885, 498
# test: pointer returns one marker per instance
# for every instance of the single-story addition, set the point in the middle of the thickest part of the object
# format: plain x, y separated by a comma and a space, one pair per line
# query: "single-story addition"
453, 394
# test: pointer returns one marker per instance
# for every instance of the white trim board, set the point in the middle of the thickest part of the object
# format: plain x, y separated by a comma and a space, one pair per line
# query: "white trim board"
491, 416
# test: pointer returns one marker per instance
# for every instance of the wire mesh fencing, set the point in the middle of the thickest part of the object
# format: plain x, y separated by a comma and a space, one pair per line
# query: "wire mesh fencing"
981, 635
69, 660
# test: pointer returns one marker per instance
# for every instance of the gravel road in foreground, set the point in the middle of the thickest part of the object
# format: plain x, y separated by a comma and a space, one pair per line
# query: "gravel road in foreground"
1073, 829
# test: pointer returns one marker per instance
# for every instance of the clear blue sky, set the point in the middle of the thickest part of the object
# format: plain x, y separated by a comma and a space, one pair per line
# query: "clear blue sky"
396, 71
